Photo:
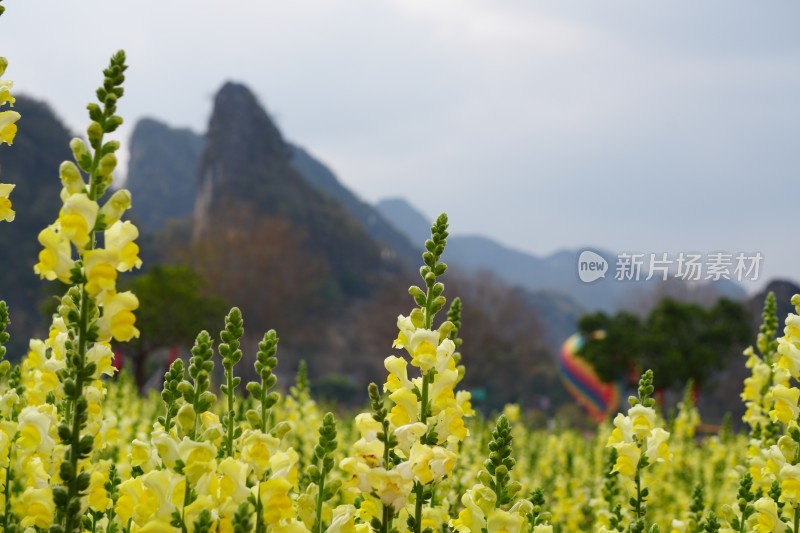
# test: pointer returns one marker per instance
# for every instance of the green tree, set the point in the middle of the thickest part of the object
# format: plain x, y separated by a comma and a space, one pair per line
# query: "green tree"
677, 340
613, 344
173, 308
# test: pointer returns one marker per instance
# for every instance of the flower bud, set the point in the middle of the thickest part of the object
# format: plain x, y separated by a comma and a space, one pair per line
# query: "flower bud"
119, 202
95, 133
281, 429
79, 151
71, 178
107, 165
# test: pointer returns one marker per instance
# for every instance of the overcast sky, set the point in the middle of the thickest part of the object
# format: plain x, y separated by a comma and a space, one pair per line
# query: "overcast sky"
661, 126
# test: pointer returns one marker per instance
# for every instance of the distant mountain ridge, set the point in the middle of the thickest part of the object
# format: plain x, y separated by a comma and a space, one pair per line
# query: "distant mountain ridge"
162, 172
244, 159
321, 177
247, 163
556, 272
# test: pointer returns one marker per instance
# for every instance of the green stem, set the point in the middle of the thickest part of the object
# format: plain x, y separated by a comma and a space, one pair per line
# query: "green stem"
187, 491
259, 511
7, 489
318, 526
74, 446
167, 420
192, 436
229, 443
263, 408
386, 463
418, 508
423, 417
638, 497
423, 408
388, 516
796, 520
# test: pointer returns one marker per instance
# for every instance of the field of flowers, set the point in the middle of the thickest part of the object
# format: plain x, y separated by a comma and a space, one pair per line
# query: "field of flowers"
80, 451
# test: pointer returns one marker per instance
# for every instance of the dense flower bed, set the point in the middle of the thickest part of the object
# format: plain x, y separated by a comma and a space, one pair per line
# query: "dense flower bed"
80, 451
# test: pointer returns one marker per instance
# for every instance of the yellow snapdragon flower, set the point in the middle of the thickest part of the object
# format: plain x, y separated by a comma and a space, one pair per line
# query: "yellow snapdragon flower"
8, 126
6, 212
500, 521
643, 420
233, 482
790, 484
274, 495
8, 119
767, 518
120, 237
478, 502
257, 449
430, 463
627, 459
36, 507
55, 260
344, 519
97, 494
5, 92
35, 424
100, 266
118, 319
393, 486
199, 458
77, 219
785, 408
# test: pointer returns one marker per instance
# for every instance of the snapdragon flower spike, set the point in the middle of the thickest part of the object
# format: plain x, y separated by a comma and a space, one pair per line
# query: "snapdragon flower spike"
432, 301
301, 390
611, 490
538, 517
766, 342
265, 363
492, 504
385, 436
639, 442
196, 393
241, 519
697, 507
497, 468
711, 524
204, 523
317, 473
8, 118
8, 131
764, 376
745, 500
454, 318
231, 354
170, 393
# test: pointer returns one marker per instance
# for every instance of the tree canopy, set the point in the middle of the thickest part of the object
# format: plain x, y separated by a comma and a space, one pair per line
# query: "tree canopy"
173, 309
677, 340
